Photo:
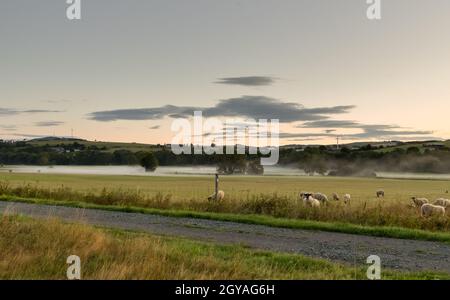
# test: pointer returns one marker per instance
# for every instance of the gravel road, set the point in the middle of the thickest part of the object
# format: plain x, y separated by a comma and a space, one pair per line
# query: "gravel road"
395, 254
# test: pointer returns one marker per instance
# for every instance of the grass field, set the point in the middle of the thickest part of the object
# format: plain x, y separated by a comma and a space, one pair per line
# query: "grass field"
238, 187
38, 250
248, 199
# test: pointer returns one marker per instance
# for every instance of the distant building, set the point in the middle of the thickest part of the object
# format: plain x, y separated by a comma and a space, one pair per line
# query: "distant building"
57, 149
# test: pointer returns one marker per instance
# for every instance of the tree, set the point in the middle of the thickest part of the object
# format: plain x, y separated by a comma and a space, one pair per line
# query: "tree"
149, 162
232, 164
413, 150
314, 164
254, 167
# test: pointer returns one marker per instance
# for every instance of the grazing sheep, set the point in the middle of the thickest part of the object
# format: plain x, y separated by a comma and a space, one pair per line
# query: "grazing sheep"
428, 210
347, 198
220, 196
380, 194
321, 197
336, 197
442, 202
309, 200
418, 202
302, 195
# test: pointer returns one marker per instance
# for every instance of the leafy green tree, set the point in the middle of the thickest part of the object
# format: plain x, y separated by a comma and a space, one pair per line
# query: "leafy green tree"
149, 162
413, 150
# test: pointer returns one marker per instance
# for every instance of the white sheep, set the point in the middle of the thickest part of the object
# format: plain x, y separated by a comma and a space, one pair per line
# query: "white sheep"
321, 197
301, 195
418, 202
347, 198
220, 196
428, 210
311, 201
336, 197
380, 193
442, 202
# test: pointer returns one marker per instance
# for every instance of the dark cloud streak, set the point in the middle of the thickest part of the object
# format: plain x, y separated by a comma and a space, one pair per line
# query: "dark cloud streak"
48, 123
254, 107
248, 80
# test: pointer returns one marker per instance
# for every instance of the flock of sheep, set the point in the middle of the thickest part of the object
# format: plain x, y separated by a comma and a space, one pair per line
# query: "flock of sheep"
317, 199
427, 209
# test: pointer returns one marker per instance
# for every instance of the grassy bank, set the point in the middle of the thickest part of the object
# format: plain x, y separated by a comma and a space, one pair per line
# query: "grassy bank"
34, 249
379, 231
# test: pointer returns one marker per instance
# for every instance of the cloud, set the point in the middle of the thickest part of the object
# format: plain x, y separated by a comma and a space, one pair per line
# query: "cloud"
48, 123
330, 124
38, 111
8, 127
248, 80
368, 131
9, 111
253, 107
154, 127
58, 101
386, 131
25, 135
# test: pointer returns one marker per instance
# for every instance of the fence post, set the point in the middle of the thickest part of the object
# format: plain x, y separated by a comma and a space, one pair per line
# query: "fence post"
216, 189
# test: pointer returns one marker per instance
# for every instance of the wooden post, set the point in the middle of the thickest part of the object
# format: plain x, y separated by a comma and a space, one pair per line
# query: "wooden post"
216, 189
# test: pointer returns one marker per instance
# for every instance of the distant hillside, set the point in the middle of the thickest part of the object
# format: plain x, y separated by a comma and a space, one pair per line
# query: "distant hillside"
385, 146
106, 146
55, 138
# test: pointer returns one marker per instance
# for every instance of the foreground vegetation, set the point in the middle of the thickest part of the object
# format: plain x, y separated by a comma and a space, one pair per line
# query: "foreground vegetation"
38, 250
275, 197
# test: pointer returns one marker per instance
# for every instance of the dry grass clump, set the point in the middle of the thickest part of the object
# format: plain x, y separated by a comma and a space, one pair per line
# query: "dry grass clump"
38, 250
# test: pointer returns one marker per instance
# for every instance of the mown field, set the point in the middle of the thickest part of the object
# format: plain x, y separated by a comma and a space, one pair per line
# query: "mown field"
275, 197
34, 249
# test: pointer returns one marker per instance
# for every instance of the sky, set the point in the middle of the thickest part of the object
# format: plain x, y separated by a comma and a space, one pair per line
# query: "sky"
127, 69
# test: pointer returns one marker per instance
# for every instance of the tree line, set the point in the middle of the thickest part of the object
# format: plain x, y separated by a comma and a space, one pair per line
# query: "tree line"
364, 161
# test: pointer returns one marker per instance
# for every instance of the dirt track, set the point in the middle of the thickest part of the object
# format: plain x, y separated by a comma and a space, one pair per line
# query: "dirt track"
354, 249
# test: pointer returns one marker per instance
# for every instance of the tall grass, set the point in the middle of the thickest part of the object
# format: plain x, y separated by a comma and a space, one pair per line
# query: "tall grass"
34, 249
370, 213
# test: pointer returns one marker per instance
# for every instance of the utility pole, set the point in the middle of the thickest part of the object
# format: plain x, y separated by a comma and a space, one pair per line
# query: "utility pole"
337, 143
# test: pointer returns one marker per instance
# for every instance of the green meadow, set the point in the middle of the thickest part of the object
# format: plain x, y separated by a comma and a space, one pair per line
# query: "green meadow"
266, 200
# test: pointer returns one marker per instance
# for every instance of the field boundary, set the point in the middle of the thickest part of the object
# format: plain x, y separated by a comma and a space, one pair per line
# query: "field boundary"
377, 231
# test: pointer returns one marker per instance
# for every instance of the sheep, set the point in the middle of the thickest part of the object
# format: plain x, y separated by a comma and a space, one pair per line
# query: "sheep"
220, 195
380, 194
301, 195
321, 197
428, 210
418, 202
442, 202
309, 200
336, 197
347, 198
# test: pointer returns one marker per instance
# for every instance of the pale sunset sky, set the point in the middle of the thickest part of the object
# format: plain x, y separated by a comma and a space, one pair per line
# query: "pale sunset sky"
128, 68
